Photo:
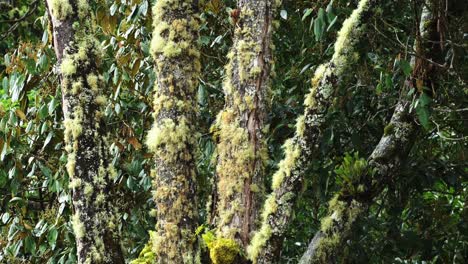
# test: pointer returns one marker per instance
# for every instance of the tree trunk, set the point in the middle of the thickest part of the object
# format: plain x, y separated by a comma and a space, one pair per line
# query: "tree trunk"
266, 245
172, 138
86, 137
386, 160
240, 126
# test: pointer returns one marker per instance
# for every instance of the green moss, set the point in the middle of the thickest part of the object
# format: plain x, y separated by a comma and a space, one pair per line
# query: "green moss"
146, 255
389, 129
223, 250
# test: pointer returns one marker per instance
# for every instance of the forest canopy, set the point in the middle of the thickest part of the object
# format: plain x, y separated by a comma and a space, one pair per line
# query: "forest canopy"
223, 131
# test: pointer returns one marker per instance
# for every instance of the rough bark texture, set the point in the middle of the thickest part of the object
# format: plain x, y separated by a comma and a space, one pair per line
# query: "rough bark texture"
89, 167
386, 160
266, 245
242, 150
173, 136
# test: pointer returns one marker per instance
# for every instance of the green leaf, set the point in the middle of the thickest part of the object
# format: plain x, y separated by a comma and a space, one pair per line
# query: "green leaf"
5, 217
52, 105
113, 8
405, 67
284, 14
424, 100
319, 25
143, 8
43, 112
423, 116
307, 13
30, 245
48, 138
52, 237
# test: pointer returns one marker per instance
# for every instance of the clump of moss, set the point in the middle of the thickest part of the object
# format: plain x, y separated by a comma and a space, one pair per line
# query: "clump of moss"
223, 250
389, 129
61, 9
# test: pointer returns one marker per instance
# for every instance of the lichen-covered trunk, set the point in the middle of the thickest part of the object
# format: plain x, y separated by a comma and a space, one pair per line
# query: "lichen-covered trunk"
240, 126
387, 158
266, 244
172, 138
89, 167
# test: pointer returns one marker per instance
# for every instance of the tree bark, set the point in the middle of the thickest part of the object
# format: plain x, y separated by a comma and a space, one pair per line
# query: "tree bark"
240, 126
86, 137
172, 138
266, 244
386, 160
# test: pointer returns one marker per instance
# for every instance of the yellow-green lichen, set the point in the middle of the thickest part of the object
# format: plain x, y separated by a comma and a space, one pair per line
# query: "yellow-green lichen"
61, 9
92, 80
347, 34
258, 242
88, 190
83, 8
76, 87
75, 183
300, 126
292, 153
101, 100
167, 138
78, 226
68, 66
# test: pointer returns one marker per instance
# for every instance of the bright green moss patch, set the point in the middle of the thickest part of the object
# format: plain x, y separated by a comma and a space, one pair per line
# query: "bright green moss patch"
223, 250
146, 255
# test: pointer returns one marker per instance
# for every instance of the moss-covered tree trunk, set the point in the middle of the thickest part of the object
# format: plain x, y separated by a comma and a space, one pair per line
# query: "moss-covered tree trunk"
240, 126
89, 166
266, 245
388, 157
173, 136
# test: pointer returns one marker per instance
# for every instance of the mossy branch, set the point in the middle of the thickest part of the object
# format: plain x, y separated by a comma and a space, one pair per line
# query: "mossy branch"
266, 243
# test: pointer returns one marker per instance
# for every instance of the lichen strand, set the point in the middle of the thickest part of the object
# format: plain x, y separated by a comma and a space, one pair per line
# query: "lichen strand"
240, 127
303, 146
336, 227
172, 138
86, 141
343, 57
